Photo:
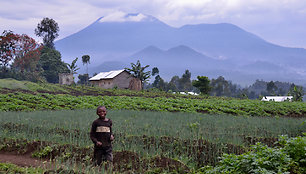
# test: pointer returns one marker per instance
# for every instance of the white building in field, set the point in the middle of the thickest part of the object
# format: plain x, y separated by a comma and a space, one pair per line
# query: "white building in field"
277, 98
186, 93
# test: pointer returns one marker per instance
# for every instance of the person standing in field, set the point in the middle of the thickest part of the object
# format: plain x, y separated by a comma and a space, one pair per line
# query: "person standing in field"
102, 136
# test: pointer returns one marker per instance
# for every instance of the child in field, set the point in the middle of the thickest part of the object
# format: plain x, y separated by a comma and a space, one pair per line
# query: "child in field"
101, 135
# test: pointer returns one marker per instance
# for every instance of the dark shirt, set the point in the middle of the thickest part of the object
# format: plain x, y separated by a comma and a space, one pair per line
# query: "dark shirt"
101, 130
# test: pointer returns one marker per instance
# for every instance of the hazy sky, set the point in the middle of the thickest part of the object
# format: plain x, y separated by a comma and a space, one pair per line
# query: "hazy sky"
282, 22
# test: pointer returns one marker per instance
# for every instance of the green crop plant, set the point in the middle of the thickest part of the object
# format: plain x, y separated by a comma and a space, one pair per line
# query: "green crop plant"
74, 125
288, 157
12, 168
195, 136
46, 151
121, 99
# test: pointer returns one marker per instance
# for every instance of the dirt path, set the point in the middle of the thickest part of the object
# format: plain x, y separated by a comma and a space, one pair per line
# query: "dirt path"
122, 161
22, 160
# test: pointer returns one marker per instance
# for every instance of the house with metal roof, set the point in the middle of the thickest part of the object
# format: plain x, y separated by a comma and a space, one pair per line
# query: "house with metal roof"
277, 98
121, 79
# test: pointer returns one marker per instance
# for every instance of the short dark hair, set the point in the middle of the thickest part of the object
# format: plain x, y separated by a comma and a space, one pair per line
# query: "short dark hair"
99, 108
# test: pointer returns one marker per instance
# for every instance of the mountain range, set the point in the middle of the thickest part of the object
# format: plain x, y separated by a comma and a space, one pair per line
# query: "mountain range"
204, 49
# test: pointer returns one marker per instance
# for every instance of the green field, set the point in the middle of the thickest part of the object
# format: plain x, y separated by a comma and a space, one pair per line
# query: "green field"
195, 140
17, 100
152, 129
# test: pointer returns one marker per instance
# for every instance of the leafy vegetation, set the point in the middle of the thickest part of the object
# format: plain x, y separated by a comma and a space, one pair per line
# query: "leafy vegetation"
22, 54
12, 168
139, 72
202, 84
297, 93
289, 157
78, 97
73, 67
52, 64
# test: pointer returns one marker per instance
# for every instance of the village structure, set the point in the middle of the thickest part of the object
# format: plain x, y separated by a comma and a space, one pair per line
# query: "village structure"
66, 79
277, 98
120, 79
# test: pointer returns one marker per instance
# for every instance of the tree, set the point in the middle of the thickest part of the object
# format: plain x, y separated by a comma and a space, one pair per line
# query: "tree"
50, 61
244, 93
27, 54
174, 83
202, 84
83, 79
48, 29
156, 81
162, 85
73, 67
86, 60
297, 93
139, 72
22, 50
7, 46
220, 87
171, 87
155, 71
271, 88
185, 81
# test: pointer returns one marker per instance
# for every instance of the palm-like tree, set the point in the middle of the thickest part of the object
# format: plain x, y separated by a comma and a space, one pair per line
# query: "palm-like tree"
297, 92
139, 72
73, 67
86, 60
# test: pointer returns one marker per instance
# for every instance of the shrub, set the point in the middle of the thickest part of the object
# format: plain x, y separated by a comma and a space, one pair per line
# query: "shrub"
289, 157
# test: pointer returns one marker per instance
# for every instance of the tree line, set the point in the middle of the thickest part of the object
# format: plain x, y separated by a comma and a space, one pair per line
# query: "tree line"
23, 58
214, 87
225, 88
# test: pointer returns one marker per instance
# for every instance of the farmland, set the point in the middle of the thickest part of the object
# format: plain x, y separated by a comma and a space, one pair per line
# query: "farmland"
154, 131
27, 96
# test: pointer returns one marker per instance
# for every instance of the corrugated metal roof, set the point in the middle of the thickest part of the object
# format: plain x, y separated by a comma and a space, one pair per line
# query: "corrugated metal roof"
107, 75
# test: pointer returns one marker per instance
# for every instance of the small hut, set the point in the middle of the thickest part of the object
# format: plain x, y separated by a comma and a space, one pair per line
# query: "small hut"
121, 79
66, 79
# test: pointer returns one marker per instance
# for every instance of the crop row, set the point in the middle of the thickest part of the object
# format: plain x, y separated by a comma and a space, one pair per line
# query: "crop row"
191, 138
79, 90
44, 101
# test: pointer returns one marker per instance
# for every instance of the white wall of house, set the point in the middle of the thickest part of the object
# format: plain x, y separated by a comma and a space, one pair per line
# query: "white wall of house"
277, 98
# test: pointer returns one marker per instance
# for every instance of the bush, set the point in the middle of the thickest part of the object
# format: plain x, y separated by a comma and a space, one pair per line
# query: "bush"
289, 157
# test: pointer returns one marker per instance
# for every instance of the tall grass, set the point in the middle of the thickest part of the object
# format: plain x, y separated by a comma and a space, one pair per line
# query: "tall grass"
73, 126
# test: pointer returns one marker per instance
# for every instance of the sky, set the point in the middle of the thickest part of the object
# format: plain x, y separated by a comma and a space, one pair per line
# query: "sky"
282, 22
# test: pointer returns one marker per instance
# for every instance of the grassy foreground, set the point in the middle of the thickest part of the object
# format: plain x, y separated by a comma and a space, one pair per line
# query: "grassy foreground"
193, 139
